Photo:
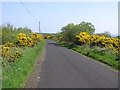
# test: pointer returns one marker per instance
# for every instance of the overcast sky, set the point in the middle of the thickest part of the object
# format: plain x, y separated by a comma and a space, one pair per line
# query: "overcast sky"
54, 15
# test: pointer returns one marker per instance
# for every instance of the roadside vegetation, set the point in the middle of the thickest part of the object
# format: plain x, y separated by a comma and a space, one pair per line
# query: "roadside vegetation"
83, 39
19, 49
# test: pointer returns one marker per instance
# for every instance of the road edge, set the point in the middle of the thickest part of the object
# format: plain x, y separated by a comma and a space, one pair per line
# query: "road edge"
33, 79
103, 64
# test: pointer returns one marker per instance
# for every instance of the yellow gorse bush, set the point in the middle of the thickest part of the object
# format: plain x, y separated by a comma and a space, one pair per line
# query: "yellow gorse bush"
48, 36
12, 52
29, 41
9, 44
5, 51
22, 38
83, 37
102, 41
36, 37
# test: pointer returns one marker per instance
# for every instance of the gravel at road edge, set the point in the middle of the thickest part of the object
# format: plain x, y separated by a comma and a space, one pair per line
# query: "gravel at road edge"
35, 76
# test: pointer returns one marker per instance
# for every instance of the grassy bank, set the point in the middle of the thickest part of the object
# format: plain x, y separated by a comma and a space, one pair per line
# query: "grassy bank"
15, 74
96, 53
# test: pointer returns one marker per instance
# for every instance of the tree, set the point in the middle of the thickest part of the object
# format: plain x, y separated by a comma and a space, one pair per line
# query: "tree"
71, 30
107, 34
87, 27
68, 32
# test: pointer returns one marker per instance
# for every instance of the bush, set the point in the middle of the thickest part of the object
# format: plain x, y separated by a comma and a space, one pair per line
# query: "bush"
11, 53
110, 44
9, 33
16, 74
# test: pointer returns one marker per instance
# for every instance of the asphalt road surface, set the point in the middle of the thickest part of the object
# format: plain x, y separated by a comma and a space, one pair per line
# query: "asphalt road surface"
64, 68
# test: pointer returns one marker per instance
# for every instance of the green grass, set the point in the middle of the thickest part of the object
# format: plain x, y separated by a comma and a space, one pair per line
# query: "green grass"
97, 54
107, 58
15, 74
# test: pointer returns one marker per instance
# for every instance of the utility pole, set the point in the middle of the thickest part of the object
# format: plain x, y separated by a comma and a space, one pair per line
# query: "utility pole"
39, 27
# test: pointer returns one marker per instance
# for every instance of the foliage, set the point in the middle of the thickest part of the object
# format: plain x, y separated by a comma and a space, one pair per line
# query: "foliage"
86, 27
9, 33
101, 41
48, 36
36, 37
10, 54
70, 31
99, 54
19, 50
15, 74
107, 34
83, 37
99, 47
22, 38
13, 39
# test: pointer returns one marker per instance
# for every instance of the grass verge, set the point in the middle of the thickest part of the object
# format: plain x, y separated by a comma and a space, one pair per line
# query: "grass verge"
15, 74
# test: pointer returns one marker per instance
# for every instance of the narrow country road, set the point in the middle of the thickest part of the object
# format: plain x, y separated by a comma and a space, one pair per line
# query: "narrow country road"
64, 68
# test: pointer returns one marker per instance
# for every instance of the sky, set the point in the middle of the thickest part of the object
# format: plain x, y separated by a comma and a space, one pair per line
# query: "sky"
54, 15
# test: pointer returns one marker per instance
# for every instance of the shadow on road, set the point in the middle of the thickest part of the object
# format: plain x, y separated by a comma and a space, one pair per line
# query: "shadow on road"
50, 42
55, 44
